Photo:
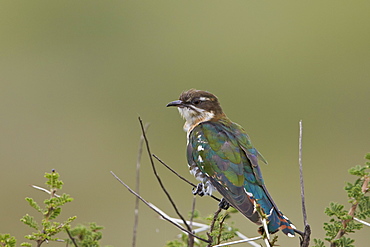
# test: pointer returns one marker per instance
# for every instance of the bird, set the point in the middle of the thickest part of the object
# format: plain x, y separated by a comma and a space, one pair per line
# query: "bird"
222, 157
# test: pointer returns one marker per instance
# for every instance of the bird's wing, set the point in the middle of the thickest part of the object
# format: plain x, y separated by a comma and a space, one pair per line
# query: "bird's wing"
225, 154
222, 160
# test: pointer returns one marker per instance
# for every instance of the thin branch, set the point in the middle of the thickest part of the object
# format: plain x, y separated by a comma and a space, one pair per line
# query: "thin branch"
192, 211
202, 227
178, 175
266, 235
239, 241
361, 221
155, 210
247, 240
221, 224
71, 237
137, 187
158, 178
305, 240
191, 239
212, 225
301, 174
173, 171
43, 189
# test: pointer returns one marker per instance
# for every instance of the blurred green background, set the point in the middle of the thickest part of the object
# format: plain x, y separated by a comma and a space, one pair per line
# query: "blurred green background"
75, 75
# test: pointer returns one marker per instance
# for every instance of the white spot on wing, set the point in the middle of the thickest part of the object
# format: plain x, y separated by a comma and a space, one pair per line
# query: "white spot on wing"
200, 148
248, 193
200, 159
272, 209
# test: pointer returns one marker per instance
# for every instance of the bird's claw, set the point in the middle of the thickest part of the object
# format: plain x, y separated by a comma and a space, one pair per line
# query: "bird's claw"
198, 190
224, 204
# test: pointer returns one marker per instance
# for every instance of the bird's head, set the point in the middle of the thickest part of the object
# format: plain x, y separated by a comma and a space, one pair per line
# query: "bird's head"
197, 106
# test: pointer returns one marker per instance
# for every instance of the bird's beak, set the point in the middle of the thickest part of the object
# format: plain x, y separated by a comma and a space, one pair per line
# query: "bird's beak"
177, 103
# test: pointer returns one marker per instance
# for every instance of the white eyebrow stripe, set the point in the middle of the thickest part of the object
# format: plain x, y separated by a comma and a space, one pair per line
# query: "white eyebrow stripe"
203, 98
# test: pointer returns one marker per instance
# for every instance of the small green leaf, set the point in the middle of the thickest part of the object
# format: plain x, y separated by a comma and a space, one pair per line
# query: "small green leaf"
30, 221
7, 241
55, 213
26, 244
318, 243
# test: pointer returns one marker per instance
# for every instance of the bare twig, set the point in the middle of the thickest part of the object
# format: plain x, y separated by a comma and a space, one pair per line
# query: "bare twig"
239, 241
159, 179
202, 227
155, 210
361, 221
181, 177
305, 240
43, 189
248, 240
137, 187
301, 174
173, 171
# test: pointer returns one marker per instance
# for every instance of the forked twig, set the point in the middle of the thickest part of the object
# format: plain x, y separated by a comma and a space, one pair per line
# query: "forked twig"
155, 210
173, 171
159, 179
181, 177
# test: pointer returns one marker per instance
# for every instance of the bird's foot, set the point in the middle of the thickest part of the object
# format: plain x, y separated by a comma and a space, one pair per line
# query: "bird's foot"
224, 204
199, 190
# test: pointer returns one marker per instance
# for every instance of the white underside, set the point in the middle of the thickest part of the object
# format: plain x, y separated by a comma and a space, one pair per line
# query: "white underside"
194, 116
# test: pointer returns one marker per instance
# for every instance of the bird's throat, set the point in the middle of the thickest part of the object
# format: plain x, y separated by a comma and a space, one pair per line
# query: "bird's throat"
194, 117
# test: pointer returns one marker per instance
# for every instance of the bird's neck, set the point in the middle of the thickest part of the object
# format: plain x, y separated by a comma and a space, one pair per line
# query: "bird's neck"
193, 120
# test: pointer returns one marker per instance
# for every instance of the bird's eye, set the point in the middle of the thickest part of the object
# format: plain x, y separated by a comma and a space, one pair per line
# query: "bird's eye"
196, 102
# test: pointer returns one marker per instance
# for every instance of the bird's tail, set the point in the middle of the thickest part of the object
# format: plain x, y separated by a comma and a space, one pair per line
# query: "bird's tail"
278, 221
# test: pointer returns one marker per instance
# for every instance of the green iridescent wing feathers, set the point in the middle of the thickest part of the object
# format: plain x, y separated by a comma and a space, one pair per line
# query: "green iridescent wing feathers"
226, 146
219, 150
223, 151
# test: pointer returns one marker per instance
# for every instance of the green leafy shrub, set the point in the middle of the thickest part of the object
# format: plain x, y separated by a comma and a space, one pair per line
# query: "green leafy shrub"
342, 221
48, 227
